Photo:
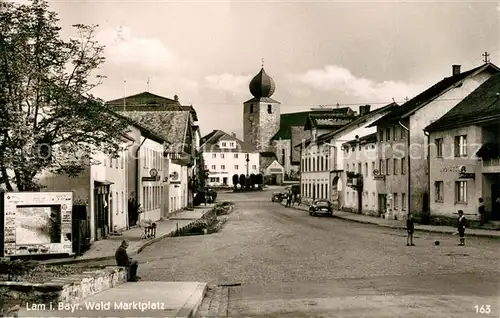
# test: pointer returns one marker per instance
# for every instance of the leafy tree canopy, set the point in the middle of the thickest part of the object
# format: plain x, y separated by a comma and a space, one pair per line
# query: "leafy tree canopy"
50, 121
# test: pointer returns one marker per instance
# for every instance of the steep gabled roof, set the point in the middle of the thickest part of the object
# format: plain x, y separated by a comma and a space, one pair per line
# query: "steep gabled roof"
371, 138
144, 131
207, 136
431, 93
149, 102
143, 99
329, 121
482, 105
287, 121
363, 119
210, 143
170, 125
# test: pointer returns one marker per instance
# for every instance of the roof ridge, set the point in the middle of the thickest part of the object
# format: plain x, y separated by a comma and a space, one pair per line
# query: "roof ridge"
214, 133
358, 120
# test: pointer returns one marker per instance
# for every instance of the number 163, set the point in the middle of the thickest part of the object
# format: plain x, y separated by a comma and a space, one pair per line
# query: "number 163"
483, 309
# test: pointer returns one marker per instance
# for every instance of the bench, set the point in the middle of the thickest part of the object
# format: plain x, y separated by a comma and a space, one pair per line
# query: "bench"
149, 231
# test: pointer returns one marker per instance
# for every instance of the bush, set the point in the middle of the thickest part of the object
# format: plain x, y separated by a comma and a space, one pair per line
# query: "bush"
16, 268
222, 208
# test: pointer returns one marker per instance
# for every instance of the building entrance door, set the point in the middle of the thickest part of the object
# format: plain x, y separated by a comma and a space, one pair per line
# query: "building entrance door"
495, 205
101, 210
382, 204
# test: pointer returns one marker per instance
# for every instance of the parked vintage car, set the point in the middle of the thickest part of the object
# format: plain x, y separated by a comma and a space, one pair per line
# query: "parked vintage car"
277, 197
321, 207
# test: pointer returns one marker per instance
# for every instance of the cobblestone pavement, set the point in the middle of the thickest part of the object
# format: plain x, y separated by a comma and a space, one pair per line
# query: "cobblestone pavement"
290, 264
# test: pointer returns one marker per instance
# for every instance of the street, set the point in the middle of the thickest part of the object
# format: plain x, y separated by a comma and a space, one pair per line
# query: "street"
272, 261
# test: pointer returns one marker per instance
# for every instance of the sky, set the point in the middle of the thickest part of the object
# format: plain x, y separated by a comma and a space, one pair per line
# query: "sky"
317, 52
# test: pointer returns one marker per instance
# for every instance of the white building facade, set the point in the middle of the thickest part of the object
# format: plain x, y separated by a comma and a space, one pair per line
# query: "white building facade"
176, 184
105, 187
322, 163
225, 155
360, 158
403, 148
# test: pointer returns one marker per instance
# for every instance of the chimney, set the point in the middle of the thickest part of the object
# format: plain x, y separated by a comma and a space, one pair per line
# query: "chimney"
363, 110
176, 98
234, 135
455, 69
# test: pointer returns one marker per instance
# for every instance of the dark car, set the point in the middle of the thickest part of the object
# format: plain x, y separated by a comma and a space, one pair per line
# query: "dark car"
321, 207
277, 197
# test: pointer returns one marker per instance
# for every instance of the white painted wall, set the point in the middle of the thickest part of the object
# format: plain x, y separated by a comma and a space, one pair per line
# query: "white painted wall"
445, 169
225, 165
366, 155
115, 171
418, 140
151, 192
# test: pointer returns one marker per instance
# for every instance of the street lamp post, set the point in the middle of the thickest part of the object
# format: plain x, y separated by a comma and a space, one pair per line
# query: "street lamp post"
248, 165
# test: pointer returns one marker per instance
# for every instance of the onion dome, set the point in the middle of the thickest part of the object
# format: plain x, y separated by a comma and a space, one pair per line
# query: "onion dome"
262, 85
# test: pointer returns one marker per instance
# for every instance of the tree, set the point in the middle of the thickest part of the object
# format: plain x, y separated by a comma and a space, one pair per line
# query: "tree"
50, 121
243, 180
202, 173
260, 179
235, 180
253, 180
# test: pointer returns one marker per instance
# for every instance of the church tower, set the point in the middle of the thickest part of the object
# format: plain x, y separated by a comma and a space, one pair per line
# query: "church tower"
261, 114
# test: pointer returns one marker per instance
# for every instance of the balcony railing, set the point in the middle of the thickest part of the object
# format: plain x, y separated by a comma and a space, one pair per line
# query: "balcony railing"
493, 162
491, 165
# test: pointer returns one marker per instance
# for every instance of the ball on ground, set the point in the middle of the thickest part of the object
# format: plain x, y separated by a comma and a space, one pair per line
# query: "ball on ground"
436, 243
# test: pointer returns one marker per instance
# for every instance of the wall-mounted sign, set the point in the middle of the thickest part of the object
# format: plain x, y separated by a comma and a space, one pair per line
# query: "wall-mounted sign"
37, 223
465, 175
174, 176
450, 169
151, 179
153, 173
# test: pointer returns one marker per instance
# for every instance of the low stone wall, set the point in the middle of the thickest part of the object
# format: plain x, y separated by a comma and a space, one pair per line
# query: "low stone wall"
68, 289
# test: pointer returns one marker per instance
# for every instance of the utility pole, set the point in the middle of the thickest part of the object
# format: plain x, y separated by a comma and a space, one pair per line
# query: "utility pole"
124, 94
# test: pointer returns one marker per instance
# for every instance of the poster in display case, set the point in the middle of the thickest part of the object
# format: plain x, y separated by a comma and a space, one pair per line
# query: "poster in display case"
37, 223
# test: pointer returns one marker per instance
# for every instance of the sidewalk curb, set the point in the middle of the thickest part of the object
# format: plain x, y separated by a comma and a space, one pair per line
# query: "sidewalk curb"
132, 253
191, 306
396, 227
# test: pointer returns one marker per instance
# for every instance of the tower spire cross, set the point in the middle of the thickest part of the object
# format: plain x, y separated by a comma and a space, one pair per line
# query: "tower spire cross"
262, 62
486, 56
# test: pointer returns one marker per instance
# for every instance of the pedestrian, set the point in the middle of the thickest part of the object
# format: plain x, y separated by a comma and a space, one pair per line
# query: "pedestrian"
288, 200
122, 259
462, 222
410, 227
482, 212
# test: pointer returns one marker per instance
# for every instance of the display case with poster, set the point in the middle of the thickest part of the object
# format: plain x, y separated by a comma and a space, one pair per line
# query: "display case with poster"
36, 223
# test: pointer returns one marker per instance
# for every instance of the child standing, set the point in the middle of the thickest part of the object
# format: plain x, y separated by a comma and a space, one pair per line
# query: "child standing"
461, 227
410, 226
288, 199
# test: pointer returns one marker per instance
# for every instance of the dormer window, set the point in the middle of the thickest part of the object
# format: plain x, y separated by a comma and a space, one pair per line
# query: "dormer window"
231, 144
269, 109
223, 144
